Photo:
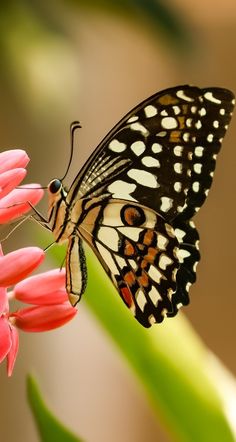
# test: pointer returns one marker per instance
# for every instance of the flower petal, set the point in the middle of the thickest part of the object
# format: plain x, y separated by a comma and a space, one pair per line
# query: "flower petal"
16, 203
5, 340
58, 297
10, 159
11, 357
43, 289
10, 179
4, 308
43, 318
18, 264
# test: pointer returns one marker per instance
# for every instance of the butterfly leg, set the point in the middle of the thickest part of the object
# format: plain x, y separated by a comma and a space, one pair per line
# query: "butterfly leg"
76, 270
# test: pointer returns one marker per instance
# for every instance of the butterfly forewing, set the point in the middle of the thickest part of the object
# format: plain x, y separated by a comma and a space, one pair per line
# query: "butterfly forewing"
162, 154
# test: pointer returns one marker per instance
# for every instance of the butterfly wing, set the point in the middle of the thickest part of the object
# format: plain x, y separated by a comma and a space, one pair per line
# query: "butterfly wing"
143, 256
161, 154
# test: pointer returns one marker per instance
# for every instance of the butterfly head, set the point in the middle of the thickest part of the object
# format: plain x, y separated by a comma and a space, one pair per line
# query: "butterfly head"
55, 186
57, 196
56, 190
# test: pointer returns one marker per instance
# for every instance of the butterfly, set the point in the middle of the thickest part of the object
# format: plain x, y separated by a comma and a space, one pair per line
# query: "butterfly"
134, 199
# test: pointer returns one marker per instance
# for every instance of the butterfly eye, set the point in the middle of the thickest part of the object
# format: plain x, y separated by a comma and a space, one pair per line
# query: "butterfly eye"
54, 186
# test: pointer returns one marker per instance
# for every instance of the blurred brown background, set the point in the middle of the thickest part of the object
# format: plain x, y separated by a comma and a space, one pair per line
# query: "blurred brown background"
105, 66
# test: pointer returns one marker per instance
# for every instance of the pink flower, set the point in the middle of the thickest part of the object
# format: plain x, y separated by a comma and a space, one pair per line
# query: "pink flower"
15, 202
46, 291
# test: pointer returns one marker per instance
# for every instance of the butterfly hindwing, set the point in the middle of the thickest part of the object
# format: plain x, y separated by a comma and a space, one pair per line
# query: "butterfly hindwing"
141, 254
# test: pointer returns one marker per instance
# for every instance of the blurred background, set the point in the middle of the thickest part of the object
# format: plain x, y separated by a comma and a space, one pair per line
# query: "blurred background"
93, 61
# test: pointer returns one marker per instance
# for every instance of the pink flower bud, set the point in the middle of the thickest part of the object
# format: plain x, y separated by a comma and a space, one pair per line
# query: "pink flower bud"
12, 159
16, 203
10, 179
3, 301
18, 264
11, 357
5, 341
43, 318
43, 289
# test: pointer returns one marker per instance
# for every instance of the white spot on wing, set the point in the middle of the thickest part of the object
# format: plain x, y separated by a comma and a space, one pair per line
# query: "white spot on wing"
210, 138
198, 124
178, 150
156, 148
164, 261
181, 94
202, 112
166, 203
169, 123
222, 111
117, 146
139, 127
177, 186
143, 177
182, 254
180, 234
132, 119
210, 97
150, 162
120, 261
131, 232
151, 219
152, 319
197, 167
199, 151
186, 136
161, 134
141, 299
132, 263
154, 295
150, 111
122, 190
138, 147
178, 167
162, 242
216, 124
155, 274
196, 186
107, 257
176, 110
109, 237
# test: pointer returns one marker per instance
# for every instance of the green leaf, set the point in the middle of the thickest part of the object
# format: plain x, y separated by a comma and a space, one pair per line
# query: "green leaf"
50, 429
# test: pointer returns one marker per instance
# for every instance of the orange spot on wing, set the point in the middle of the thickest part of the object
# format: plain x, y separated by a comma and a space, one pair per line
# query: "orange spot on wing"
151, 255
129, 248
143, 279
148, 237
168, 99
182, 123
126, 295
129, 278
175, 136
185, 108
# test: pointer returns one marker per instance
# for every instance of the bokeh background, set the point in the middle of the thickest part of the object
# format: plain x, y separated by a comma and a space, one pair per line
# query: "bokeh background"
93, 61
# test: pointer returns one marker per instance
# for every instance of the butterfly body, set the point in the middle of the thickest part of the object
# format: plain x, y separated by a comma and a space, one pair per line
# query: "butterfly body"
134, 199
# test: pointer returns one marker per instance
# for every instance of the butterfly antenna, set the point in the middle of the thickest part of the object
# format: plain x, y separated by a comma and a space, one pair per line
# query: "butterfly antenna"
73, 127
